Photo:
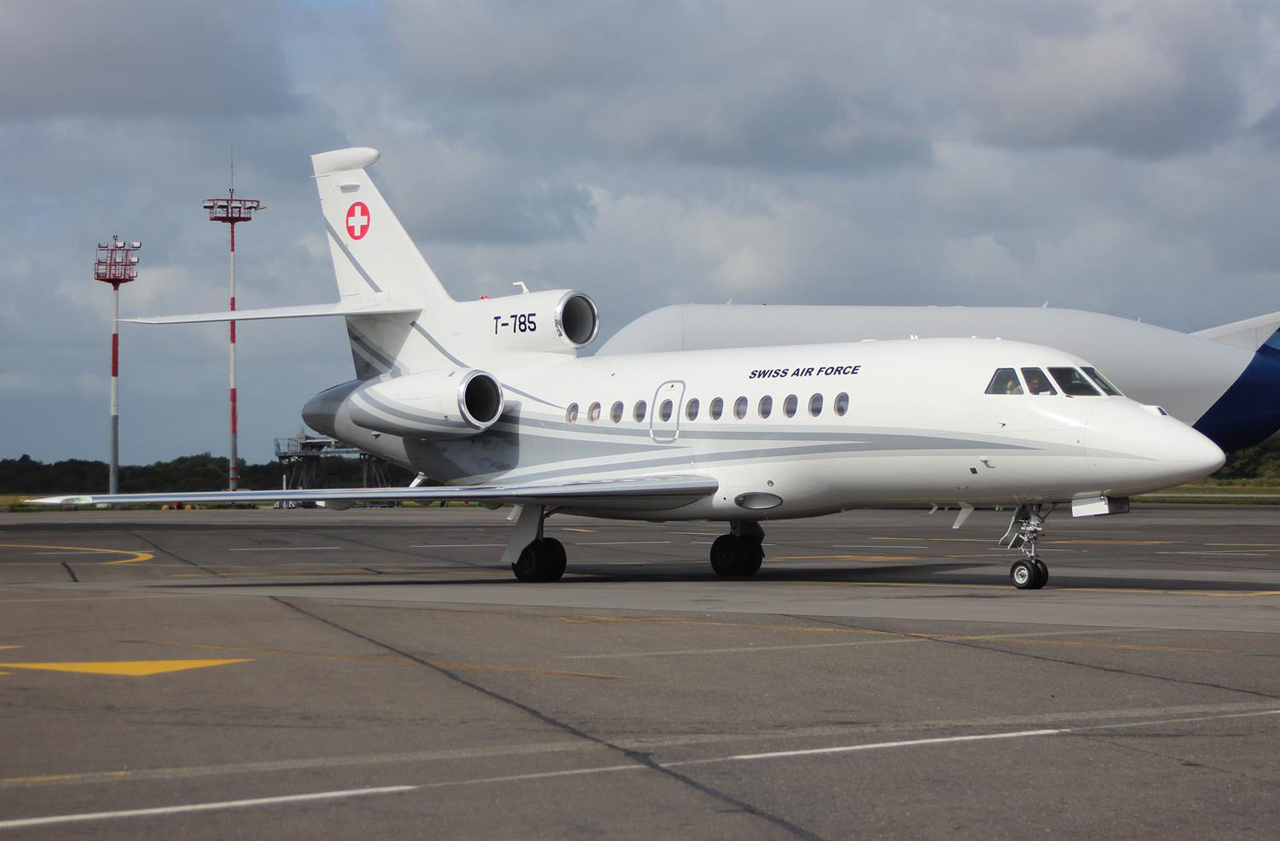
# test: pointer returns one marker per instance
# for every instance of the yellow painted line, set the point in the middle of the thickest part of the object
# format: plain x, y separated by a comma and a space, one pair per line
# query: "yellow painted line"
700, 533
128, 668
6, 647
134, 557
65, 778
1245, 595
586, 531
844, 558
383, 658
5, 673
1242, 544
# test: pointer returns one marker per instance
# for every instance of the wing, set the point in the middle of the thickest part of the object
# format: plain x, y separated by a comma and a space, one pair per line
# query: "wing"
655, 493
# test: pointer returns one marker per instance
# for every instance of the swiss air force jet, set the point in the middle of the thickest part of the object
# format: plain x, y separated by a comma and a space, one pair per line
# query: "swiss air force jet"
491, 400
1224, 381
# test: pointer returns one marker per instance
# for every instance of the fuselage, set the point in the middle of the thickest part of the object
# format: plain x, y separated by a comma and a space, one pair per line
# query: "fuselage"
1229, 392
797, 431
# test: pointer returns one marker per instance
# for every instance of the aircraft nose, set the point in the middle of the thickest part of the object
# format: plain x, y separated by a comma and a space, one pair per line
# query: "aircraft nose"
1135, 449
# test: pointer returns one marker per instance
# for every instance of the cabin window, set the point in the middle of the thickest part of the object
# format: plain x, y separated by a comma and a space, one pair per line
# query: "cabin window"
593, 414
639, 411
665, 410
815, 405
1105, 384
1037, 382
691, 409
790, 404
1004, 381
717, 408
842, 404
571, 413
1073, 383
740, 408
615, 413
766, 406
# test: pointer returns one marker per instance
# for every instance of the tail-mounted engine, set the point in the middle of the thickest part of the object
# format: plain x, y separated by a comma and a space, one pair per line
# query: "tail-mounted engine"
456, 403
556, 321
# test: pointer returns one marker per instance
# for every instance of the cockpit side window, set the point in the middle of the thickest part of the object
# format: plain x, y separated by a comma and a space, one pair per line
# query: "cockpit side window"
1103, 383
1005, 381
1073, 383
1037, 382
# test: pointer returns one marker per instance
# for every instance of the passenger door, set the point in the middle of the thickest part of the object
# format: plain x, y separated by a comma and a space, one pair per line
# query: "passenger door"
664, 423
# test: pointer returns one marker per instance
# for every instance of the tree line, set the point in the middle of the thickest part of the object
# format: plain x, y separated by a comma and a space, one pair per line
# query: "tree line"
203, 472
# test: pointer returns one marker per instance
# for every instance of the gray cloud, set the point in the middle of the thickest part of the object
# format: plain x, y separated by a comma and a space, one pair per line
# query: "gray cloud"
1112, 156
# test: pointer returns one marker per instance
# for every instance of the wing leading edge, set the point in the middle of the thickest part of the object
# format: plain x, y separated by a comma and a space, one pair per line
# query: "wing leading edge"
655, 493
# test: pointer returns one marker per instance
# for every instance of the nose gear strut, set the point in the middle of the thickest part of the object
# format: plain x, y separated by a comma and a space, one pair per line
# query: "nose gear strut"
1025, 529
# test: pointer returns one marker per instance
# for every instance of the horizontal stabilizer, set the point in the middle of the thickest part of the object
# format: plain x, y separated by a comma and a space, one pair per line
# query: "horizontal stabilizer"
655, 492
1249, 334
352, 307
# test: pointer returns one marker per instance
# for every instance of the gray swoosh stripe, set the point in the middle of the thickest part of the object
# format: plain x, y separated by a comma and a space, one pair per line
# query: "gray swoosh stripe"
395, 411
455, 360
515, 390
680, 460
347, 251
374, 352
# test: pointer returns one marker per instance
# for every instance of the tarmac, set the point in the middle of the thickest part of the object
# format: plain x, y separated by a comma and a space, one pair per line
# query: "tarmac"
377, 673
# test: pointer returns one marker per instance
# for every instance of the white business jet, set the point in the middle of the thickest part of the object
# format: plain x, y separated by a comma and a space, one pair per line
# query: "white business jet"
491, 400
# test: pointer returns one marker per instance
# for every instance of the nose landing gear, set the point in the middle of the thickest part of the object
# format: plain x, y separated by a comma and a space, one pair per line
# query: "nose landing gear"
739, 553
1029, 573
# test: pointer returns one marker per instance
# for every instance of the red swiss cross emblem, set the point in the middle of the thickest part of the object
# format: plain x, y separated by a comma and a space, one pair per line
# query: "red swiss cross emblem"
357, 220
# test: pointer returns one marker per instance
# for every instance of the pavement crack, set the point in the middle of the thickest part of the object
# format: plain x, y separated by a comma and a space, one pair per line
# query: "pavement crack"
1180, 760
71, 572
1062, 661
638, 757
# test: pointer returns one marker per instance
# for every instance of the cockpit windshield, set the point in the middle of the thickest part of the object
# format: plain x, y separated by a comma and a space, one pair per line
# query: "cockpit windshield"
1073, 383
1103, 383
1037, 381
1005, 381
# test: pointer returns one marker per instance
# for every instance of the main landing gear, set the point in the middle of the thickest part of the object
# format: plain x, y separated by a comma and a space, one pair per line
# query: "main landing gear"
1025, 529
739, 553
532, 556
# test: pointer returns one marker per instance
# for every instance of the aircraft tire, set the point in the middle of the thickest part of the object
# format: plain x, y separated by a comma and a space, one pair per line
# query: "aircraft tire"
539, 562
750, 556
557, 560
724, 552
1024, 575
1043, 569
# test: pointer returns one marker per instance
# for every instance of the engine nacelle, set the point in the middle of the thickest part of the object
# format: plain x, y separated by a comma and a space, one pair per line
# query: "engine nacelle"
556, 321
454, 403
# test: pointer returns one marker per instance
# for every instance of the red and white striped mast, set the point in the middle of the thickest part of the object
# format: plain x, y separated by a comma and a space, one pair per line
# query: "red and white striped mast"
232, 211
116, 264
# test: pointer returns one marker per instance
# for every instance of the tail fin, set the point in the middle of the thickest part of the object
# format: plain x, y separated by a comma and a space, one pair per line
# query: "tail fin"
372, 252
1250, 334
375, 260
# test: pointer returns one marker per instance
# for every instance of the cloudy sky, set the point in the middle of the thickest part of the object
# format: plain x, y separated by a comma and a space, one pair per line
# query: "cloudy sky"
1115, 156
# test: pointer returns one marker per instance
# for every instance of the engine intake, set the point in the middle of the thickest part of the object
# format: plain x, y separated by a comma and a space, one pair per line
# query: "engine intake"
454, 403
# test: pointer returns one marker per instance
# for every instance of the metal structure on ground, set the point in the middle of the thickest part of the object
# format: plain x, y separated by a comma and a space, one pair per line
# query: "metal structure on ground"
232, 211
117, 264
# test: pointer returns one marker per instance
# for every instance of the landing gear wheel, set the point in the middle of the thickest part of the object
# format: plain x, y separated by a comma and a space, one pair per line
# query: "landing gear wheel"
541, 560
1023, 574
736, 556
723, 552
1043, 569
559, 558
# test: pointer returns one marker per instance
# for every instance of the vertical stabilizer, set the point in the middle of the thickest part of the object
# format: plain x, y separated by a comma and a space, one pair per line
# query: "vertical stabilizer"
375, 259
373, 255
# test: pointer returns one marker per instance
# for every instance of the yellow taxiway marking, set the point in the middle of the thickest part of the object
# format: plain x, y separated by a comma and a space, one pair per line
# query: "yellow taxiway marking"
1242, 544
384, 658
134, 557
128, 668
6, 647
586, 531
844, 558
